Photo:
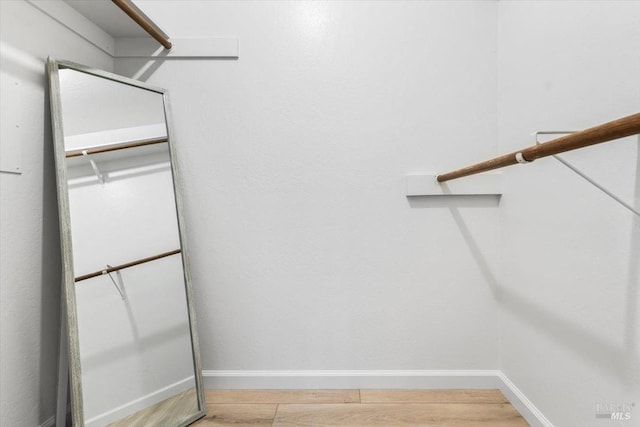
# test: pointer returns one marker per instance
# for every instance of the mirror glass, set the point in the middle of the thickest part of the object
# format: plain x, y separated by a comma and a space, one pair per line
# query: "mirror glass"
132, 343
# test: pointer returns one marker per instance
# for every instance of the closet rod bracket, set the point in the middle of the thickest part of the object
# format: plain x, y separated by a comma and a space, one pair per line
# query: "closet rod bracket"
119, 285
520, 159
582, 174
94, 166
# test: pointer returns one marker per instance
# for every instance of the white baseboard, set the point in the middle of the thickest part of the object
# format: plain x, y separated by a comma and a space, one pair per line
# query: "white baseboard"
379, 379
345, 379
141, 403
49, 422
527, 409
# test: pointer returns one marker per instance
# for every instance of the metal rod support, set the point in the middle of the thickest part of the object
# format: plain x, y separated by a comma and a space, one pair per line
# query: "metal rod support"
118, 285
598, 186
94, 166
584, 175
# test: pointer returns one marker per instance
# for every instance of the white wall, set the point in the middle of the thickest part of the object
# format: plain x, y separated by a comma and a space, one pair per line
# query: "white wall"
305, 252
30, 261
570, 255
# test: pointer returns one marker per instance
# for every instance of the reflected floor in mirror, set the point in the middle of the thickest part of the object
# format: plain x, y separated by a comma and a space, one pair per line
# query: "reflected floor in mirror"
172, 411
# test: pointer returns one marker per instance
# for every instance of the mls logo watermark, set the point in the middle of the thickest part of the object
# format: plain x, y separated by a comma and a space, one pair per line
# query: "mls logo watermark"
614, 411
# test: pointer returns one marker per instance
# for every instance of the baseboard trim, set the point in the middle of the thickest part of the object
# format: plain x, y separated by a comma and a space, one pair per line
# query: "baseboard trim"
141, 403
379, 379
49, 422
519, 400
345, 379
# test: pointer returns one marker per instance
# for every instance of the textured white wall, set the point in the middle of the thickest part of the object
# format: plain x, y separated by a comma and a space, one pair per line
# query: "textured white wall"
305, 252
570, 255
30, 261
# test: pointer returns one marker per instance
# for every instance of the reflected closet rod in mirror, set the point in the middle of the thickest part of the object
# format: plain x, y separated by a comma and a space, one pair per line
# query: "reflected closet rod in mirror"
126, 265
114, 147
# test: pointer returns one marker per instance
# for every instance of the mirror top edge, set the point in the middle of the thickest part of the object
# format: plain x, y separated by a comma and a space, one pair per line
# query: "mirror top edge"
58, 64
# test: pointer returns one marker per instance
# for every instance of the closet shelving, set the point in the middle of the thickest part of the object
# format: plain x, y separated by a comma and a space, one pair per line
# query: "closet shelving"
616, 129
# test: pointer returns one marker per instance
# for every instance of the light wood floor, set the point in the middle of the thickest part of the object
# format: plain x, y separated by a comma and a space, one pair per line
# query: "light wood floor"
344, 408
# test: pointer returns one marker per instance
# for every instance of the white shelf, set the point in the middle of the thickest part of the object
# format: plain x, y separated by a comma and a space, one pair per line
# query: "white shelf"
427, 185
104, 25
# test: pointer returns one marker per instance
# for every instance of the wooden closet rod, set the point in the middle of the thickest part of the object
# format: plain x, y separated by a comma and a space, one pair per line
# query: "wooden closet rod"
113, 147
127, 265
609, 131
140, 19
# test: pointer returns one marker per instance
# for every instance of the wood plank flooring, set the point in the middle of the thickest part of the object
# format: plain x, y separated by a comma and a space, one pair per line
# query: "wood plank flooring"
359, 408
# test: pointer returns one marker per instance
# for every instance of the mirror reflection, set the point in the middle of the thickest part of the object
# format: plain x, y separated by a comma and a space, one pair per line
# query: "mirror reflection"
136, 354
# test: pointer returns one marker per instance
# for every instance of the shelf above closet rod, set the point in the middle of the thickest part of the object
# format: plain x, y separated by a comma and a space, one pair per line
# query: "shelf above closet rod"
127, 265
119, 146
606, 132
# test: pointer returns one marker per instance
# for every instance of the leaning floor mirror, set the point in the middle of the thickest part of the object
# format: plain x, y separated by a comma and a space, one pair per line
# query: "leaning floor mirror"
130, 325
